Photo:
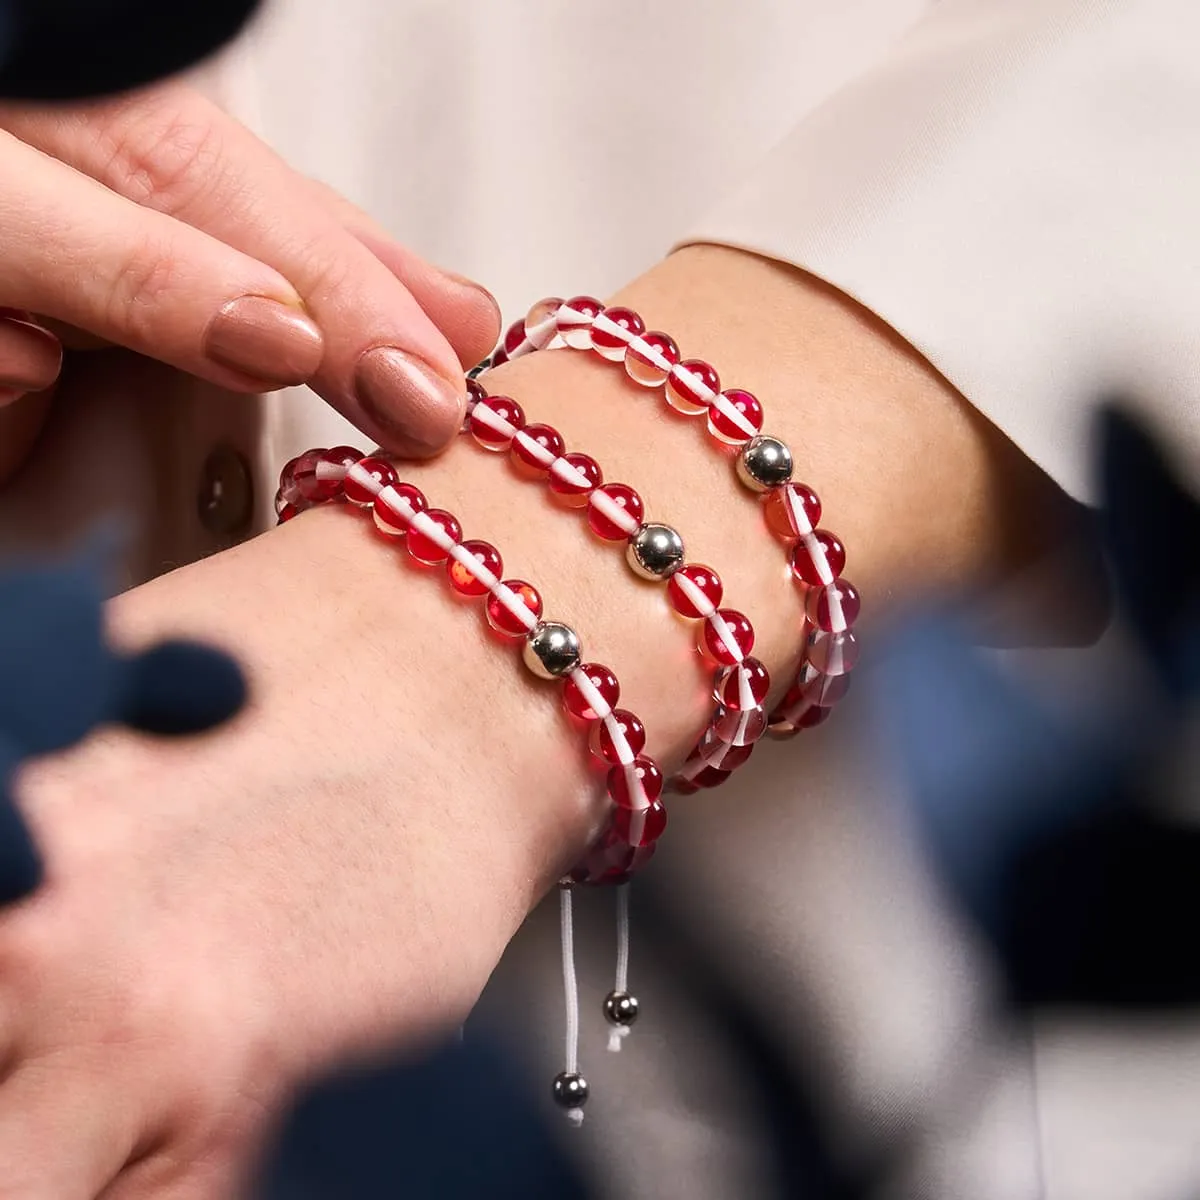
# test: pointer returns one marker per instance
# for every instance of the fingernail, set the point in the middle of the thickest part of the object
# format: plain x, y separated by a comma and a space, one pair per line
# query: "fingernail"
471, 286
32, 358
266, 340
416, 409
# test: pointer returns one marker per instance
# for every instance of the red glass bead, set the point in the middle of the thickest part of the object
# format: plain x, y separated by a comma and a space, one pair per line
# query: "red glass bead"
395, 506
833, 653
714, 751
367, 478
816, 715
640, 827
331, 468
603, 743
522, 596
736, 417
423, 545
302, 473
464, 580
495, 421
537, 446
615, 511
475, 392
740, 728
574, 321
288, 491
612, 331
792, 510
498, 357
692, 386
815, 688
286, 512
637, 785
743, 686
649, 358
834, 607
514, 337
818, 558
573, 477
726, 637
695, 590
605, 683
710, 777
540, 322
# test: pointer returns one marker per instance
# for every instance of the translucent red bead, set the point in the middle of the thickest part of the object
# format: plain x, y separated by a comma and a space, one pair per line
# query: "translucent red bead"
467, 582
691, 386
640, 827
726, 637
834, 607
367, 478
650, 358
818, 558
330, 471
695, 590
523, 597
635, 785
574, 320
424, 545
395, 506
833, 653
495, 420
736, 417
792, 510
615, 511
743, 686
573, 477
602, 680
613, 330
607, 746
537, 446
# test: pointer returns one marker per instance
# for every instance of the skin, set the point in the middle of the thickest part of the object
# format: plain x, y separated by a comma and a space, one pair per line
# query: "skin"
342, 869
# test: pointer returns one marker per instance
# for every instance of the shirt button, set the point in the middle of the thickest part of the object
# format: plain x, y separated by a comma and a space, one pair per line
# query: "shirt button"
226, 497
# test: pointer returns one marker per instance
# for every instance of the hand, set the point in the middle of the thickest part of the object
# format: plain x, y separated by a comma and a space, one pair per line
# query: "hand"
158, 223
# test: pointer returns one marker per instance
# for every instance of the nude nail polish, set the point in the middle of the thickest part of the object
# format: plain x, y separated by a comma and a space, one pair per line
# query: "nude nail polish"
266, 340
416, 410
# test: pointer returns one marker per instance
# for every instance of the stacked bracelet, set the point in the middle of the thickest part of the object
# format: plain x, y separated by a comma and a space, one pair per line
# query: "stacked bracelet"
764, 465
654, 551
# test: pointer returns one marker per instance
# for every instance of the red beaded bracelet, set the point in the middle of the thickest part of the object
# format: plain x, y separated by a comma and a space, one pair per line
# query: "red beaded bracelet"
655, 551
764, 465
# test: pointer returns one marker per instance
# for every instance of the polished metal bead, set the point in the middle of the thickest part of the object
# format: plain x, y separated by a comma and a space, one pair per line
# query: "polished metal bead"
655, 551
765, 462
620, 1008
570, 1090
551, 650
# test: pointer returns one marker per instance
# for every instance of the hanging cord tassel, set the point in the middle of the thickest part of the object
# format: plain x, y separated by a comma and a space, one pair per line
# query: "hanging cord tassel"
620, 1008
570, 1088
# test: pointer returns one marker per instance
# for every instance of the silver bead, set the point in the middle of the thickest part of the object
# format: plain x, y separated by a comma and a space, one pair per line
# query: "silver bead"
551, 650
765, 462
570, 1090
620, 1008
655, 551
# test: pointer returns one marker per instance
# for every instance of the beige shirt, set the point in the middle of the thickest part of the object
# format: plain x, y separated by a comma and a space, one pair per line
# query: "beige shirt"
1013, 185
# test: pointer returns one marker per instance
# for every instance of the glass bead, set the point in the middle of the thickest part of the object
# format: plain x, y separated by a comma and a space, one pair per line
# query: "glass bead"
736, 417
650, 357
833, 653
423, 545
395, 506
280, 502
640, 827
646, 779
514, 594
367, 478
498, 358
695, 590
818, 558
714, 751
819, 689
606, 745
613, 330
574, 320
691, 386
287, 512
743, 686
513, 339
726, 637
606, 685
740, 728
464, 580
495, 421
303, 472
792, 510
331, 468
540, 323
288, 490
834, 607
475, 393
573, 477
615, 511
710, 777
537, 446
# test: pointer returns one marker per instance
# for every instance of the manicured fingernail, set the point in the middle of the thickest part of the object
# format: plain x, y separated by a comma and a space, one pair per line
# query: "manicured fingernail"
266, 340
416, 409
478, 289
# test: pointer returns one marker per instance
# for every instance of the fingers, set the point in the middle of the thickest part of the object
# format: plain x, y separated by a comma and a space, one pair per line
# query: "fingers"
387, 366
471, 328
61, 1135
30, 357
75, 251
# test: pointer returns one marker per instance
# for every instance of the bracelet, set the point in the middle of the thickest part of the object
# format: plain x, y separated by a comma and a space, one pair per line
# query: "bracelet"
655, 552
764, 465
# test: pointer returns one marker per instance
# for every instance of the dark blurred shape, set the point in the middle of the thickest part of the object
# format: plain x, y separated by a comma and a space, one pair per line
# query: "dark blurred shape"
180, 687
456, 1125
72, 49
1046, 827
